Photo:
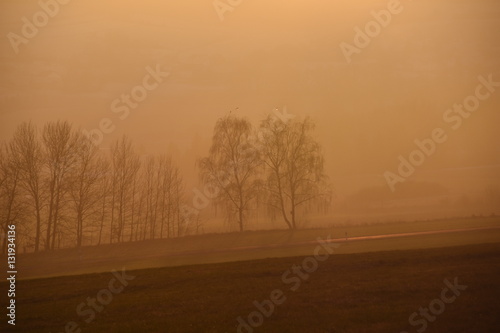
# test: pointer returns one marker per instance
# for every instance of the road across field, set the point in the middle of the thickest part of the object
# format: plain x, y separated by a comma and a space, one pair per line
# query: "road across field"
347, 239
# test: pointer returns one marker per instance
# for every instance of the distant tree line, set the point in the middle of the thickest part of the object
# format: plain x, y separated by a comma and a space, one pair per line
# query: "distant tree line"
61, 190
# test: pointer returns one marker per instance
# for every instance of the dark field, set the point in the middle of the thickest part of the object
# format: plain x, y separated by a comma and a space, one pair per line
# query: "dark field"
368, 292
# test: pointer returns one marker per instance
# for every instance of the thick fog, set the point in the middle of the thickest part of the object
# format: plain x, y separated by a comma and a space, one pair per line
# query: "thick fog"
371, 95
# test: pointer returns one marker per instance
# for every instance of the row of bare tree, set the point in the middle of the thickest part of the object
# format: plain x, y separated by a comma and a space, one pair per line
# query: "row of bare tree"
61, 190
279, 164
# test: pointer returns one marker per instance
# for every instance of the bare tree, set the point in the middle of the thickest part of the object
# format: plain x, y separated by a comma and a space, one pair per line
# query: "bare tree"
104, 194
61, 179
140, 220
11, 205
294, 165
27, 151
133, 228
125, 166
85, 191
59, 144
165, 183
177, 190
172, 197
150, 184
161, 198
231, 167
